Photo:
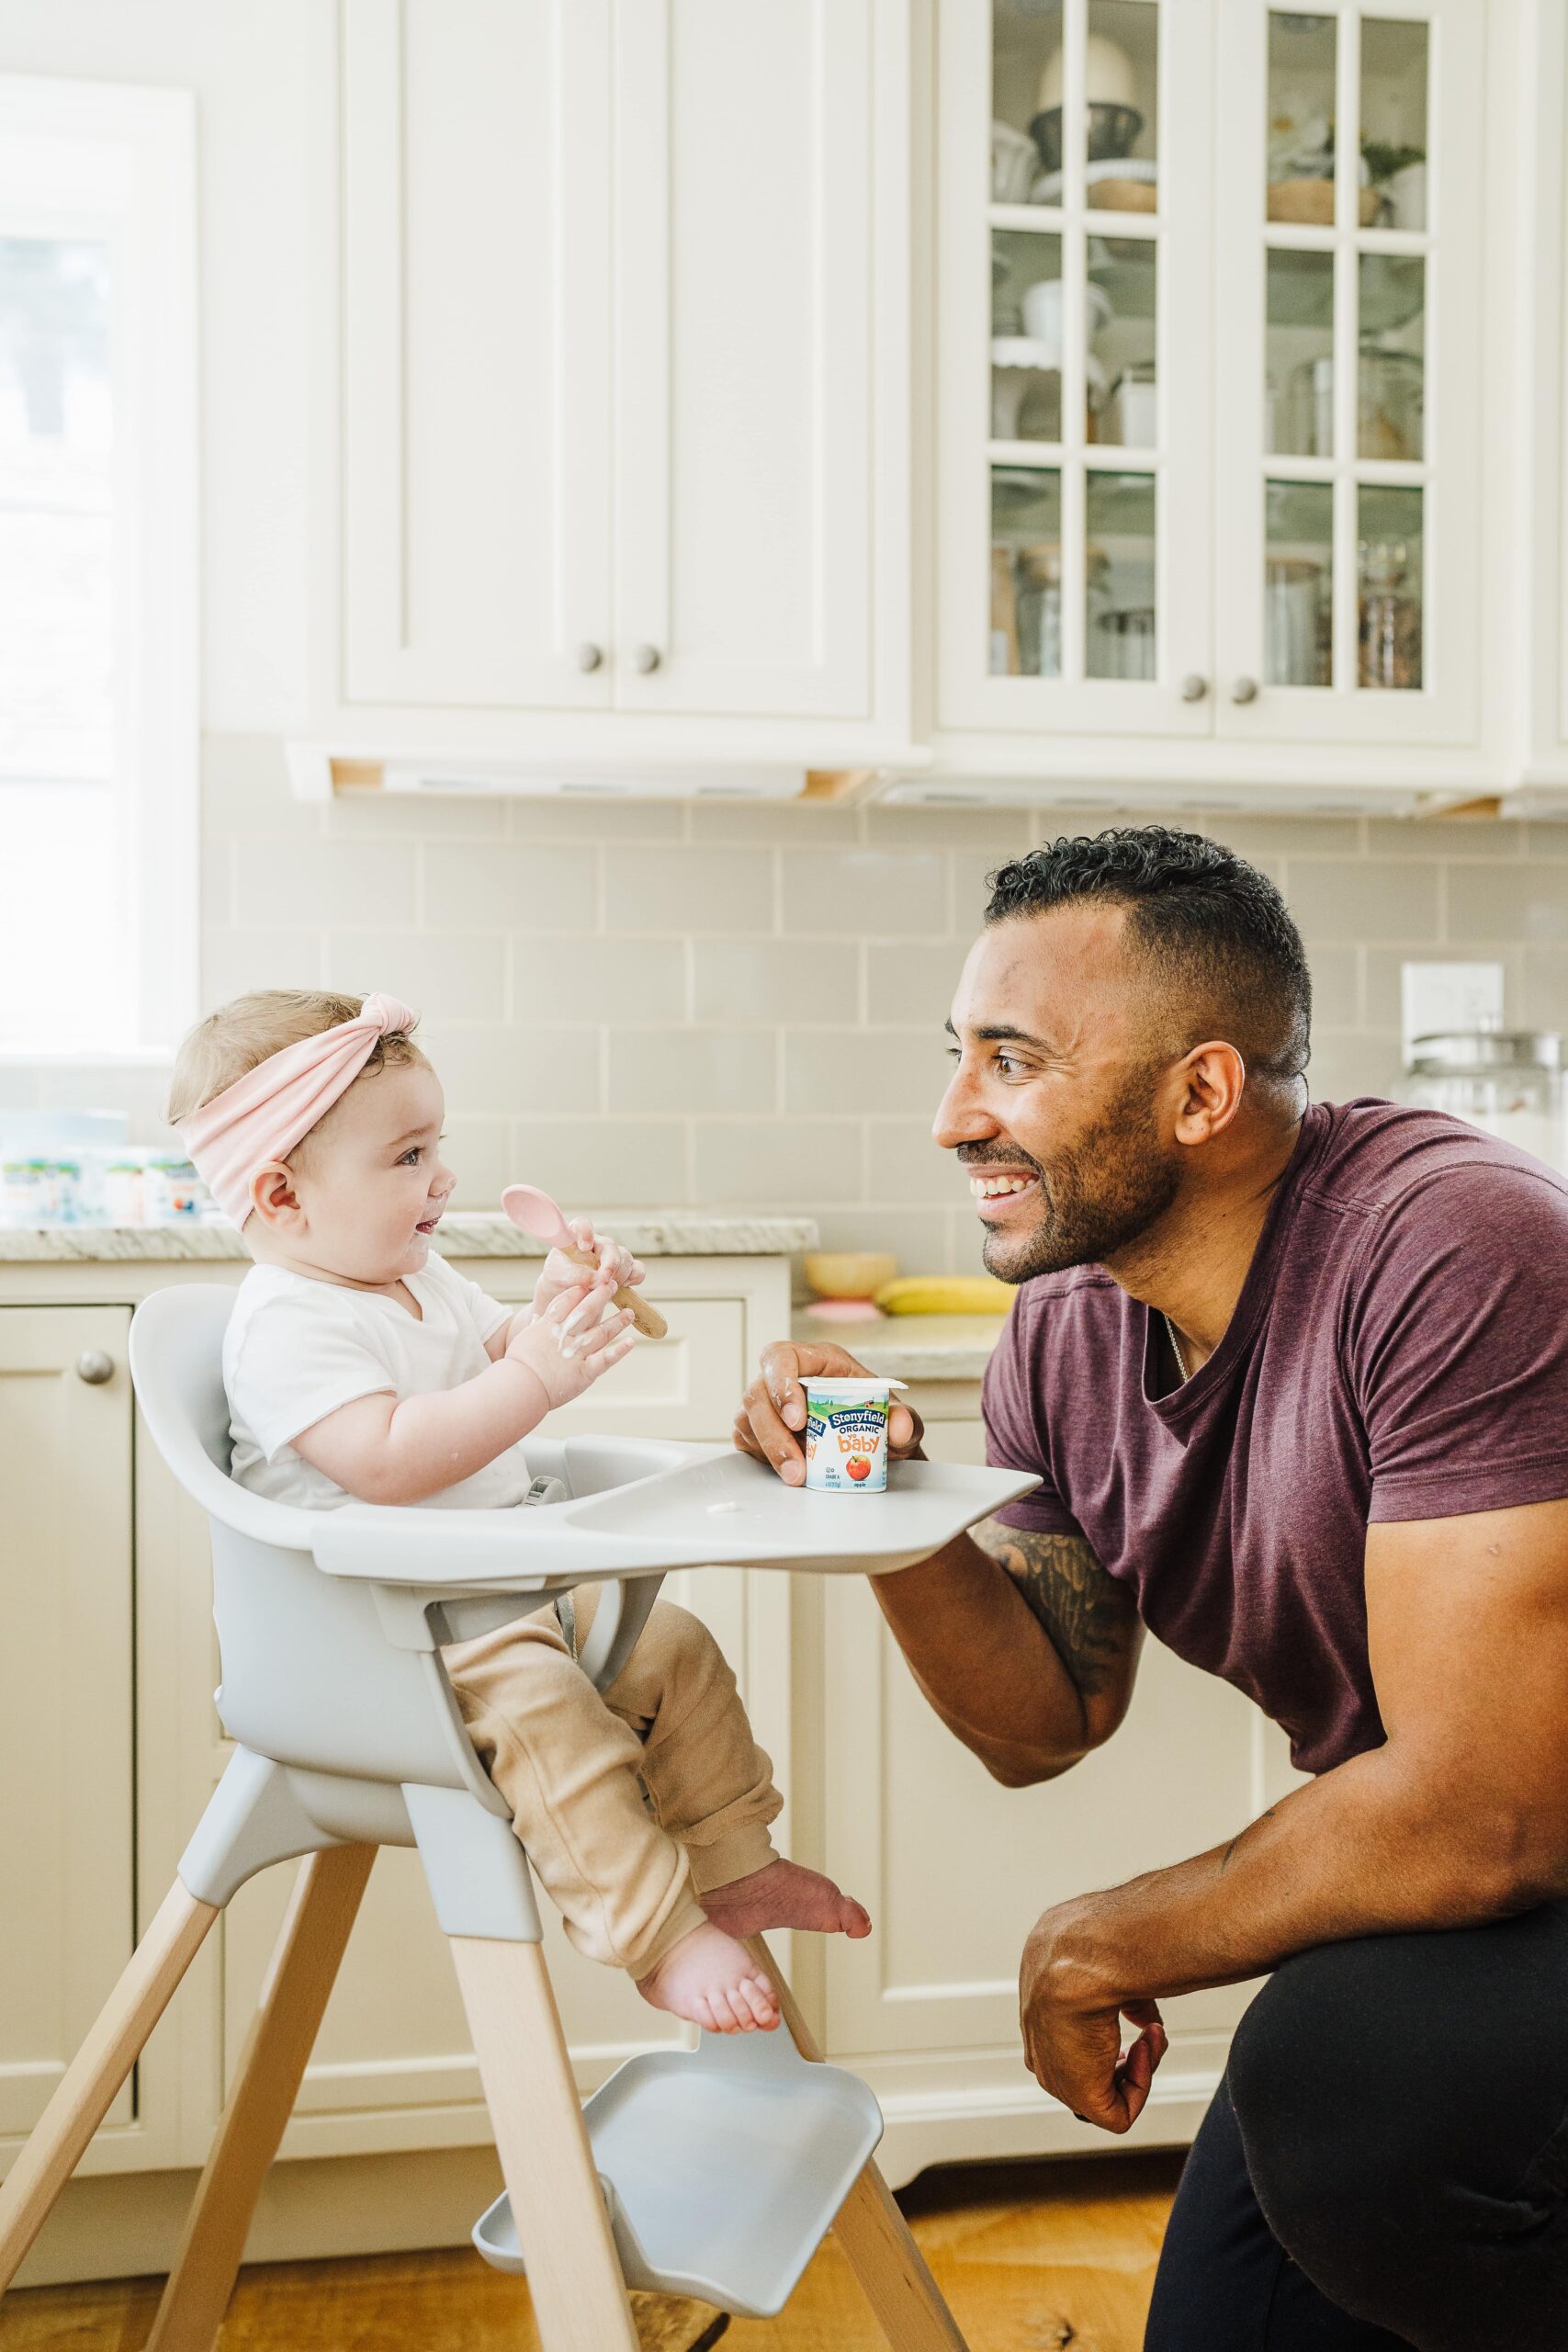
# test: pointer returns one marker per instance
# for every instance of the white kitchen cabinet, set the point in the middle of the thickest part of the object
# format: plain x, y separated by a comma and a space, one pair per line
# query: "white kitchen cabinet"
1208, 442
1049, 531
616, 420
1540, 507
955, 1868
475, 353
1348, 382
66, 1688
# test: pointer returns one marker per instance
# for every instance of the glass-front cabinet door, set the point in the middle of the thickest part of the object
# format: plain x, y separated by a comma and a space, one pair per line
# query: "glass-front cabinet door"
1348, 350
1073, 525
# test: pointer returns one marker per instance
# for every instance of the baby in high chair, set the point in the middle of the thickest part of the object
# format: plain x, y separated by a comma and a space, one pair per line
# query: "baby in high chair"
361, 1367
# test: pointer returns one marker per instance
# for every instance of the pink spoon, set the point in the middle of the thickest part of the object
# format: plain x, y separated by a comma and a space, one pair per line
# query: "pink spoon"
538, 1214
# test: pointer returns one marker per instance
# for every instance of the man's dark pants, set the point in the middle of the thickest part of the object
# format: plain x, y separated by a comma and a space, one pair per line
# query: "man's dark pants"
1386, 2163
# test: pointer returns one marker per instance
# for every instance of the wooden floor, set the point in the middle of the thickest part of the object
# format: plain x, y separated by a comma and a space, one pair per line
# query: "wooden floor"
1031, 2257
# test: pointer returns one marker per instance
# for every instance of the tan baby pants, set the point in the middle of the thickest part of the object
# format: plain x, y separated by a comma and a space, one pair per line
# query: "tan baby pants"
631, 1802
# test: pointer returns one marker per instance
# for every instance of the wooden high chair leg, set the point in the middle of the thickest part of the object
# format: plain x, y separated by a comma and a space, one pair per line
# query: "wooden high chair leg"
875, 2236
574, 2273
84, 2092
300, 1977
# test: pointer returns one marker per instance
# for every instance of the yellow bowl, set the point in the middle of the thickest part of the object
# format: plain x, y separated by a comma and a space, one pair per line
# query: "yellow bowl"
849, 1273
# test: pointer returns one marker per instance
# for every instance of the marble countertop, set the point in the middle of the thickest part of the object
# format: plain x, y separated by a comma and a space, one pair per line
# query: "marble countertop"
912, 1347
650, 1233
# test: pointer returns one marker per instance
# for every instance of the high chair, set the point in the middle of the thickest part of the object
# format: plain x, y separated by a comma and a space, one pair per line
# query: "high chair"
714, 2171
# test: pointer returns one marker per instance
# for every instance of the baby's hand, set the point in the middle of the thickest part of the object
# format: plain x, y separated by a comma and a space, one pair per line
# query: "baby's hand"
574, 1341
559, 1274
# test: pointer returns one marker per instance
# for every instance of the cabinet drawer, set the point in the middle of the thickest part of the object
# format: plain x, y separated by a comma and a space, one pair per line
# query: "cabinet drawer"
686, 1385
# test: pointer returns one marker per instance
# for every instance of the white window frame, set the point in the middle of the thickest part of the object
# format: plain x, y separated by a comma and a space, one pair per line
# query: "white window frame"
106, 161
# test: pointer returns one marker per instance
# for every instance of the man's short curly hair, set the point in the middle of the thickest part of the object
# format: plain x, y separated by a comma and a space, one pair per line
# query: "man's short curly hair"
1212, 931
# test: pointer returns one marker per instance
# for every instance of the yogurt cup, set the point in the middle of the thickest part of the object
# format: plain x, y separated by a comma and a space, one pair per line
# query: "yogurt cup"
846, 1435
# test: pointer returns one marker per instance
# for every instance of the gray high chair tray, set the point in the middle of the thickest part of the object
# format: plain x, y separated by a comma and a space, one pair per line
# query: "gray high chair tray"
702, 1505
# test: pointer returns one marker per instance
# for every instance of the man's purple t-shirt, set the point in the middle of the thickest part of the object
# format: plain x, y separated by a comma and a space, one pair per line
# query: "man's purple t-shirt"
1399, 1352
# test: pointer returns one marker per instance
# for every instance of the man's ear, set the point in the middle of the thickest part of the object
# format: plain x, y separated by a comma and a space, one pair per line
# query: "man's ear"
274, 1198
1212, 1078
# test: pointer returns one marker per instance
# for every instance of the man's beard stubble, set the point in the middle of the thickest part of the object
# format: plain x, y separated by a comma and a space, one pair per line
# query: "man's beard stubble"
1094, 1200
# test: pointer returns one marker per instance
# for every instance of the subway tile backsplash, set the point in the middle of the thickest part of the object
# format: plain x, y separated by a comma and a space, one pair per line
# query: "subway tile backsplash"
647, 1004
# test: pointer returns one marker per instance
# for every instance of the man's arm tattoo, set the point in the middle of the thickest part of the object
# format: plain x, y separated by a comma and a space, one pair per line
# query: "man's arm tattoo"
1085, 1614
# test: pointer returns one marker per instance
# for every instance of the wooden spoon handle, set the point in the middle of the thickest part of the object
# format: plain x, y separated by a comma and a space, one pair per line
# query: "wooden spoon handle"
648, 1320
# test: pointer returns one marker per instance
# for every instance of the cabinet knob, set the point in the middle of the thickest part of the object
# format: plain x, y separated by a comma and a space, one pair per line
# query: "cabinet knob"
1245, 690
1194, 686
589, 655
95, 1367
645, 658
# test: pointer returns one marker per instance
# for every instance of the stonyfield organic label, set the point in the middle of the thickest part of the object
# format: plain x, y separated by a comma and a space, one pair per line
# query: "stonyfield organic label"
846, 1435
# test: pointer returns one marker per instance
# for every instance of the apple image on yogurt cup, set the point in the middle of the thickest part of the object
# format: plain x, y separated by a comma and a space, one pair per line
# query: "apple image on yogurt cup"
858, 1467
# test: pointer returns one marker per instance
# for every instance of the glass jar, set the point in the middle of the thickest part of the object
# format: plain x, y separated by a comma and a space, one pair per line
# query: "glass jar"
1038, 576
1390, 617
1508, 1082
1038, 591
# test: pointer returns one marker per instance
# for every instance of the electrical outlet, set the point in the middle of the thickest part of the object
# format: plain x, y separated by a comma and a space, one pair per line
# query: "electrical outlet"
1439, 998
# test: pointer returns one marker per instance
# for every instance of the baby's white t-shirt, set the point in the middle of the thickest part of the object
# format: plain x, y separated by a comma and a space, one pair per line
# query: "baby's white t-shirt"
296, 1348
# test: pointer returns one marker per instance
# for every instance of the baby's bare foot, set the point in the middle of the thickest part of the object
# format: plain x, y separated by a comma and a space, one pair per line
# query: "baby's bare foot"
710, 1980
784, 1894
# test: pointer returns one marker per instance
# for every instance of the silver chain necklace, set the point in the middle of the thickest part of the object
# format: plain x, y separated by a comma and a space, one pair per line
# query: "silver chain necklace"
1176, 1348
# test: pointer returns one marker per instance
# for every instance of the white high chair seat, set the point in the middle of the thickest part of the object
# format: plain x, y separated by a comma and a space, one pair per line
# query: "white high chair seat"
348, 1736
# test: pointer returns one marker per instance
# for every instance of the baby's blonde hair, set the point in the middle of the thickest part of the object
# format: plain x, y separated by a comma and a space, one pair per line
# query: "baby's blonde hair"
249, 1029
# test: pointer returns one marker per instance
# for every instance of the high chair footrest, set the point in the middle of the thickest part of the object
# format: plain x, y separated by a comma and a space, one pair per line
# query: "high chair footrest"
723, 2168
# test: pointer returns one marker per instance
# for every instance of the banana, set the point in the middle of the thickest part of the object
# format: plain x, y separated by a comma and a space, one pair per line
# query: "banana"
945, 1295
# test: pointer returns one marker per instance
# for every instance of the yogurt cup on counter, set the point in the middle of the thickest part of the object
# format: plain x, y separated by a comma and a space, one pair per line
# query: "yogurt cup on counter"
846, 1435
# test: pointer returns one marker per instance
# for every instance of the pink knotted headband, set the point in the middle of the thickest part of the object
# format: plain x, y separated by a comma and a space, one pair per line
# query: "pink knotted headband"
264, 1114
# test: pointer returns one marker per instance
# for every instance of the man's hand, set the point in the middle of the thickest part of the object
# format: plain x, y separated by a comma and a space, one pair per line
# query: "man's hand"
1072, 2035
773, 1407
1459, 1816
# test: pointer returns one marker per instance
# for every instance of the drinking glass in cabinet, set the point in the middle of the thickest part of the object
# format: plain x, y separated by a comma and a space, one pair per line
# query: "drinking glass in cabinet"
1393, 119
1118, 517
1026, 593
1298, 362
1392, 295
1390, 560
1122, 274
1298, 583
1037, 578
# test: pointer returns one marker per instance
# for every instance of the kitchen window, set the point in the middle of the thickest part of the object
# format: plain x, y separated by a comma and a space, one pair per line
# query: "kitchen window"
98, 688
